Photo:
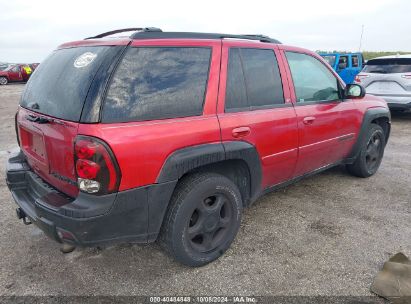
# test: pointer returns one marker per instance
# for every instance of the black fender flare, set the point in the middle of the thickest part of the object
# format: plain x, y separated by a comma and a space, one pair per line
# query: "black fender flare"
369, 116
184, 160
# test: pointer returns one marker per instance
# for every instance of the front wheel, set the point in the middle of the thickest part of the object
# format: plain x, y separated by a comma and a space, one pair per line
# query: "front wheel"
202, 220
371, 153
3, 81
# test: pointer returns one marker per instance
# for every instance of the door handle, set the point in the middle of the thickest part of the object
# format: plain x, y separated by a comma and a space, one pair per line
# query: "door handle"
241, 132
308, 120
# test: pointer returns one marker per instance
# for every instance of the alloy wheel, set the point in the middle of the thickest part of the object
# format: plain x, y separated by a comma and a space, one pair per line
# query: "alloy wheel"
210, 222
373, 152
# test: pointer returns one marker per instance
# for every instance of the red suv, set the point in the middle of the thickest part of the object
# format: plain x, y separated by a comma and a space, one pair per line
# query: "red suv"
15, 73
168, 136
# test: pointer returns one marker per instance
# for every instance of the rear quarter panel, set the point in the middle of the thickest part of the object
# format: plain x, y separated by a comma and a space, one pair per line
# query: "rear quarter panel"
141, 148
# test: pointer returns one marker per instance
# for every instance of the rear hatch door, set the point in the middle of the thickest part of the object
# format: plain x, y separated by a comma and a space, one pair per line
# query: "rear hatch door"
51, 109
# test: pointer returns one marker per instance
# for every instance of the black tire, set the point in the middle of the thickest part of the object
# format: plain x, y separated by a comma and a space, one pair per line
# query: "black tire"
3, 80
371, 153
202, 219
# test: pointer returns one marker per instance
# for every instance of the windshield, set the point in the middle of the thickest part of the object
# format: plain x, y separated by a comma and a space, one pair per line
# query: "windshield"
388, 66
60, 84
330, 59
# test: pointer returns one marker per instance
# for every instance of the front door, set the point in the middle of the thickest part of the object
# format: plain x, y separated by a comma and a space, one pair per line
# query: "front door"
318, 107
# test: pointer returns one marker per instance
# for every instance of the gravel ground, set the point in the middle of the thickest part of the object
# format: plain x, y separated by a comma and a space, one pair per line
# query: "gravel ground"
327, 235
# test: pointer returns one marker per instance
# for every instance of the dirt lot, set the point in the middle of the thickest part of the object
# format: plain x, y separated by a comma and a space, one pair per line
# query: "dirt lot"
327, 235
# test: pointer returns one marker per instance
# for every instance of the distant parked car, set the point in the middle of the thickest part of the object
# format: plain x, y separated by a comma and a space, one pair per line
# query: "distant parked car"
347, 65
15, 73
390, 78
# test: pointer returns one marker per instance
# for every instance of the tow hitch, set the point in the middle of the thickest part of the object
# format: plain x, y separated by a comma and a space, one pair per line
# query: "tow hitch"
22, 215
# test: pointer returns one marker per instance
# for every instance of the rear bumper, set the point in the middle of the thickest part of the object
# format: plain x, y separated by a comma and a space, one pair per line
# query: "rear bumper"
128, 216
399, 106
396, 101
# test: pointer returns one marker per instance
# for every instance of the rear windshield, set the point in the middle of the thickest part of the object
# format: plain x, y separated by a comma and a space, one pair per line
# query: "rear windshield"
388, 66
60, 84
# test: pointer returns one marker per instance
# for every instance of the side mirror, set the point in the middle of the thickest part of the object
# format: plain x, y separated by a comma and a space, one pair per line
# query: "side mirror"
354, 91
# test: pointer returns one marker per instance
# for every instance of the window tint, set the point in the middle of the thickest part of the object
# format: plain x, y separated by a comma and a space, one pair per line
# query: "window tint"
157, 83
312, 80
253, 79
61, 82
236, 95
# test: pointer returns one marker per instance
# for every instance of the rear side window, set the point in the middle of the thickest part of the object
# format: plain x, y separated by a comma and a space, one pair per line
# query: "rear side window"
61, 82
253, 80
158, 83
236, 95
343, 62
388, 65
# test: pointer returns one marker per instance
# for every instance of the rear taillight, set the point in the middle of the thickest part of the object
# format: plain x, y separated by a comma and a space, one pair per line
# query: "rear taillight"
358, 78
96, 167
406, 76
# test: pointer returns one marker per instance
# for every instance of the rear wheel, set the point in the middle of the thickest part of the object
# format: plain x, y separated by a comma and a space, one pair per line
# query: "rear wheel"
371, 153
202, 220
3, 80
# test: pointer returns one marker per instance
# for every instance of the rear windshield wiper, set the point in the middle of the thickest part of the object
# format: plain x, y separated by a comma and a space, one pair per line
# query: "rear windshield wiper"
37, 119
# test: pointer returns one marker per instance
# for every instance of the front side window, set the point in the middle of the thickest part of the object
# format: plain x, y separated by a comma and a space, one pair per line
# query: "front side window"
343, 62
312, 80
158, 83
253, 80
354, 61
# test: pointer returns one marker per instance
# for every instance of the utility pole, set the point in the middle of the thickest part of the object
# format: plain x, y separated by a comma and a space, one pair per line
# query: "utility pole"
362, 32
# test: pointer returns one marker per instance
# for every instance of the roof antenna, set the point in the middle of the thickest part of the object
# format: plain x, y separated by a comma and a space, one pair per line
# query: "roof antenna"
362, 32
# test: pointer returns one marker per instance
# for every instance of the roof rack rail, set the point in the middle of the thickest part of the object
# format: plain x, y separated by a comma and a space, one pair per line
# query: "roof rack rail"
193, 35
131, 29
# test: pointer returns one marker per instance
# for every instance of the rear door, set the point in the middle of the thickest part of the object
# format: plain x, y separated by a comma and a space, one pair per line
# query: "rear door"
254, 106
322, 127
50, 111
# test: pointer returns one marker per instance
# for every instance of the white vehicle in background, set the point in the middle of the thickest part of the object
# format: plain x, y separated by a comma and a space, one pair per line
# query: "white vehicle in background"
390, 78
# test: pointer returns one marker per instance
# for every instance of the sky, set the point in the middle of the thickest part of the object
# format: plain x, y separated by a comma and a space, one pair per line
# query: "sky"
30, 30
